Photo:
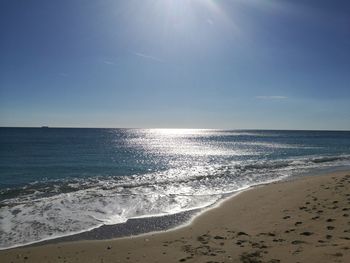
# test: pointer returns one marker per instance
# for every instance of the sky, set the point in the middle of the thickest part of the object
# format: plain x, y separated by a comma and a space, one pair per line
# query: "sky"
231, 64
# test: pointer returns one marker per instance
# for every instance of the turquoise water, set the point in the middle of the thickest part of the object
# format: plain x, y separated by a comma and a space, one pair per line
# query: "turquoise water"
57, 182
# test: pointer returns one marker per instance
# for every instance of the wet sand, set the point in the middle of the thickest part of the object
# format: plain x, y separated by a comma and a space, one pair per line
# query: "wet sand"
304, 220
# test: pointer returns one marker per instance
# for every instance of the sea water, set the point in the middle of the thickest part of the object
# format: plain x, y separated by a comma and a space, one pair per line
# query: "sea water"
56, 182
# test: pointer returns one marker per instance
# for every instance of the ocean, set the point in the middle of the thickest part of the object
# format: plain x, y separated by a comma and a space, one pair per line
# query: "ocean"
56, 182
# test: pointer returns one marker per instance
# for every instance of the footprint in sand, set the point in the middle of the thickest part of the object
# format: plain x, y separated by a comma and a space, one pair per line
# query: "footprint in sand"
306, 233
242, 234
298, 242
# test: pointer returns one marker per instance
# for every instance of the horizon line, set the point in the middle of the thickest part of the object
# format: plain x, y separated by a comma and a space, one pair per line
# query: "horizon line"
162, 128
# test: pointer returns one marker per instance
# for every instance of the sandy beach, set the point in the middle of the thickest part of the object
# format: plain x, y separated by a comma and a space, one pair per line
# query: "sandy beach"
304, 220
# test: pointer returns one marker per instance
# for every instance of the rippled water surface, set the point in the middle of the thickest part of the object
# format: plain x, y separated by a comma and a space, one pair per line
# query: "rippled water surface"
56, 182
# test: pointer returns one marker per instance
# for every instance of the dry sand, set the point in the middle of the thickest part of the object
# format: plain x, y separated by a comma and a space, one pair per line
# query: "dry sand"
305, 220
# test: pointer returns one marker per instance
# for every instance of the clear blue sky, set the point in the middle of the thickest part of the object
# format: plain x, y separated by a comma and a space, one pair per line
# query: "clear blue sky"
272, 64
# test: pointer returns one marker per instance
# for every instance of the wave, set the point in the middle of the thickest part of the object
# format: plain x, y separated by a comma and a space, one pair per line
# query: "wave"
48, 209
331, 159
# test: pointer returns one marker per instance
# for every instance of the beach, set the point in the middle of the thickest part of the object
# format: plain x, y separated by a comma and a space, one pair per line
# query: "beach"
301, 220
175, 131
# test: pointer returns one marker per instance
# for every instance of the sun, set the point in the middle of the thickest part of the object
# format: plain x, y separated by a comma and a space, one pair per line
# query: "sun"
189, 10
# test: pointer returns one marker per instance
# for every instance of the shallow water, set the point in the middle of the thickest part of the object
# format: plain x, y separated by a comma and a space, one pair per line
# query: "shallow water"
56, 182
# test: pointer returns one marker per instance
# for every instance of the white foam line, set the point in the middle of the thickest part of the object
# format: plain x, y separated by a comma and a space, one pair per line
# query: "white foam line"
204, 209
189, 222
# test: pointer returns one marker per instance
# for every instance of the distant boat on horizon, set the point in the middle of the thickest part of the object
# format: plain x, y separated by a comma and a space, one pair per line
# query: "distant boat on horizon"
44, 127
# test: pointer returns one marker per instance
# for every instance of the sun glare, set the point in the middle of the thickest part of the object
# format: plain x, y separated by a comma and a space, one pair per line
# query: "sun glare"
187, 10
176, 131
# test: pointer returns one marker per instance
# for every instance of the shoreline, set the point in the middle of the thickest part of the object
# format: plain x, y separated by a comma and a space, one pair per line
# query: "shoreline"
135, 227
199, 226
145, 225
